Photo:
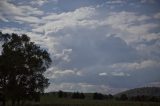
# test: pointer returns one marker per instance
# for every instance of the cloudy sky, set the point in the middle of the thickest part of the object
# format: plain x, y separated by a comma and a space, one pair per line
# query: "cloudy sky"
96, 45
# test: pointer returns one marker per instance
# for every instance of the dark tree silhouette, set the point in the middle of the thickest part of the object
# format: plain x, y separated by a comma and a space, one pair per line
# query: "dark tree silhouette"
82, 96
77, 95
123, 97
60, 94
22, 64
110, 96
2, 99
98, 96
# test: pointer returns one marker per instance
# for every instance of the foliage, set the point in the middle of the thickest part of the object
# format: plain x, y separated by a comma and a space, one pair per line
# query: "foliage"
77, 95
98, 96
62, 94
123, 97
22, 64
53, 100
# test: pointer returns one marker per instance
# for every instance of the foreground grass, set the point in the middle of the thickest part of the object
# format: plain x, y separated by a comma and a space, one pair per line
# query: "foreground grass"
96, 103
50, 100
54, 101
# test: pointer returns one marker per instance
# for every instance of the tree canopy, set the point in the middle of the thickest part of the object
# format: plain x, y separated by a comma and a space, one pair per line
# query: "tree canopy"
22, 64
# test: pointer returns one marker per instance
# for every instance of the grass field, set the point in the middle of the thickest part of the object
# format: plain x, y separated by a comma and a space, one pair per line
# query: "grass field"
46, 101
54, 101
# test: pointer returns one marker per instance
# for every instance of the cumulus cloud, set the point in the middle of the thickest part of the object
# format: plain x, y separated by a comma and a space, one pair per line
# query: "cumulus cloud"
125, 23
54, 73
121, 22
115, 2
94, 48
147, 1
157, 15
41, 2
64, 55
21, 13
135, 65
120, 74
56, 22
83, 87
102, 74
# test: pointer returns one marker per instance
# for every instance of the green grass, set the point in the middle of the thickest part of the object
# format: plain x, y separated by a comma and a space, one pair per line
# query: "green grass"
54, 101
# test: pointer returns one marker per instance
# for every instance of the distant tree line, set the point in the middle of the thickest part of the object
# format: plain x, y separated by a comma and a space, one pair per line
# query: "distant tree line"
100, 96
124, 97
75, 95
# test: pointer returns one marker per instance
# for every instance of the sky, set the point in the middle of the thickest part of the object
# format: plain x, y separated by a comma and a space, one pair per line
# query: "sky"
105, 46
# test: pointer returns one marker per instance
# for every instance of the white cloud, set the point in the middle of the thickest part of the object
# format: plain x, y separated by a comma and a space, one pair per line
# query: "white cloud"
56, 22
133, 26
121, 74
135, 65
38, 2
130, 26
3, 18
78, 14
103, 74
42, 2
147, 50
147, 1
116, 2
64, 55
9, 8
28, 19
122, 23
157, 15
58, 73
21, 13
28, 10
77, 39
83, 87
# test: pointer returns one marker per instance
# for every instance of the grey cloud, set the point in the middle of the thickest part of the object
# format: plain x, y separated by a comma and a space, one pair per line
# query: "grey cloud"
83, 87
84, 43
11, 12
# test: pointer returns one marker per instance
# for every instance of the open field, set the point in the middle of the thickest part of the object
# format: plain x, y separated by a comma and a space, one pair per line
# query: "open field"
54, 101
65, 102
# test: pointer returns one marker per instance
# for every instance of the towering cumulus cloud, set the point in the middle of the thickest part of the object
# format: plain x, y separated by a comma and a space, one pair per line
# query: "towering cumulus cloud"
96, 45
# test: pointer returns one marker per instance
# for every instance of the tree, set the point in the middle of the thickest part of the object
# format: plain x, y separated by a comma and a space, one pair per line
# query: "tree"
22, 64
82, 96
123, 97
98, 96
60, 94
110, 96
75, 95
2, 101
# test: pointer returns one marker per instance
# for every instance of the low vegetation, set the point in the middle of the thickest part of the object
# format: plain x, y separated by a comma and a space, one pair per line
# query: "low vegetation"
96, 99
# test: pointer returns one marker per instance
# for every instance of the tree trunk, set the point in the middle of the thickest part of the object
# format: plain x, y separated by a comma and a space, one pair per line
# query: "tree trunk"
13, 102
18, 102
4, 103
23, 102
